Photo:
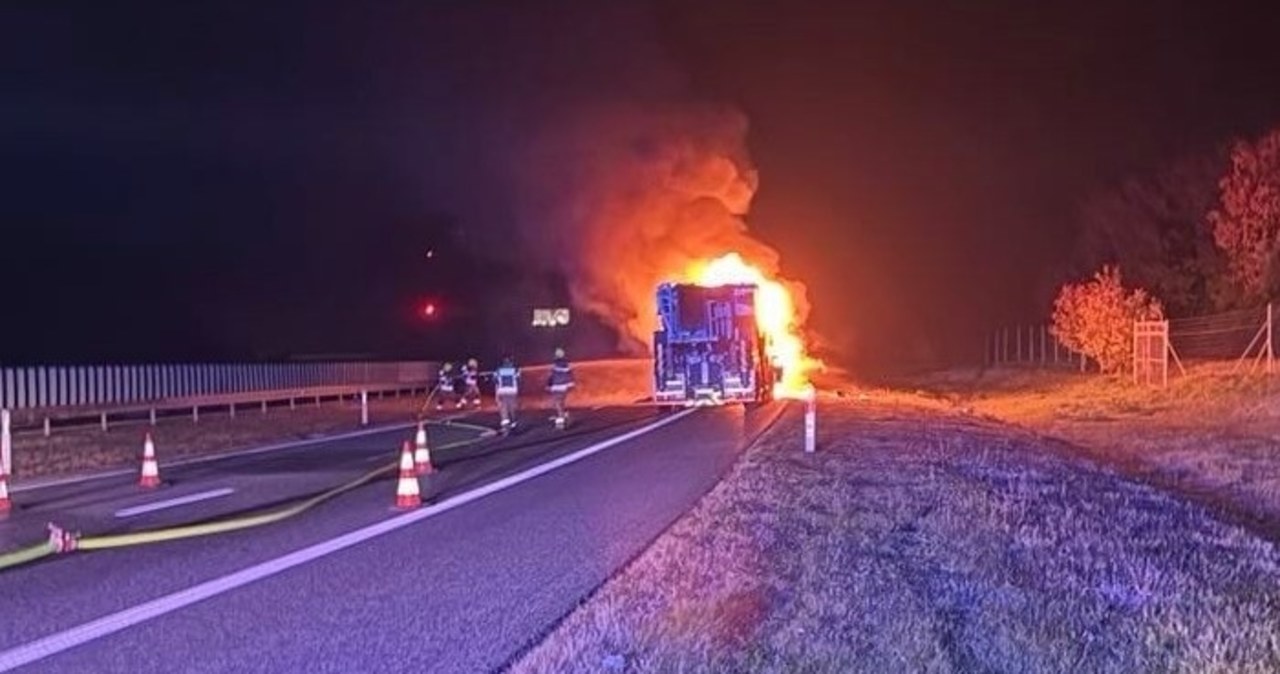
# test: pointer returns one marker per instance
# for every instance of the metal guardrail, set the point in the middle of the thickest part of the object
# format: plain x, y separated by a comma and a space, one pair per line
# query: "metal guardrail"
46, 420
102, 385
42, 399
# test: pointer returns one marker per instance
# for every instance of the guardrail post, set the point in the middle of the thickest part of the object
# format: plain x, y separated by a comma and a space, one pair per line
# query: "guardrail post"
264, 408
231, 409
6, 442
364, 408
153, 416
810, 421
195, 414
104, 422
48, 427
293, 403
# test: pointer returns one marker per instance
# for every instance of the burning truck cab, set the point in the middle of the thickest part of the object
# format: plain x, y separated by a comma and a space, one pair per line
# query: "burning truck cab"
709, 348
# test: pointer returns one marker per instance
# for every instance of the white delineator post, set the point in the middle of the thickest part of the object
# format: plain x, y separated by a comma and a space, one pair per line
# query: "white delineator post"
364, 408
810, 421
6, 443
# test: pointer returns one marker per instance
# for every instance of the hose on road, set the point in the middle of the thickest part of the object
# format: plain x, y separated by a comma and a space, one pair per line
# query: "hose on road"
26, 555
48, 548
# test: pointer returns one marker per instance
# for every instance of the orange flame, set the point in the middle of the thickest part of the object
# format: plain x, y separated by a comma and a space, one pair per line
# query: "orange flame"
775, 314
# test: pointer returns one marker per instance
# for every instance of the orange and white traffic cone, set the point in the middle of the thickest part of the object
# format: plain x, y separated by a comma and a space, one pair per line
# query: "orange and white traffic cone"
5, 504
150, 477
421, 453
407, 493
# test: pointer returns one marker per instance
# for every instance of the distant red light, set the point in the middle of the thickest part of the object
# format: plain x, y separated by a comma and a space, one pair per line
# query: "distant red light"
429, 309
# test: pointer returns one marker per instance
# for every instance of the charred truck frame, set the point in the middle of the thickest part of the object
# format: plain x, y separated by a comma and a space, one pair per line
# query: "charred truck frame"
708, 348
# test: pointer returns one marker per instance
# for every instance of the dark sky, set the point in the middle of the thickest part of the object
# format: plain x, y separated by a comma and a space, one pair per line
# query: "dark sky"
233, 180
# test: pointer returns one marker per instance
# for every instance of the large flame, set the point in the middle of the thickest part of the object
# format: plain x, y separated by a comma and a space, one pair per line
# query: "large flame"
775, 314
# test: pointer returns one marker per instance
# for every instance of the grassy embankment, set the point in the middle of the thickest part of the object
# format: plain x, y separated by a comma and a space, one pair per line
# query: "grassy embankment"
922, 538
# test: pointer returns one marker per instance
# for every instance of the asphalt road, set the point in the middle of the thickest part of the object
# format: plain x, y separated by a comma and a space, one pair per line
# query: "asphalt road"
224, 486
461, 585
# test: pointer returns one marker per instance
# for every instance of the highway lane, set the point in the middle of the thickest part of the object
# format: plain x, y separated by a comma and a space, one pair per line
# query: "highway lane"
246, 481
461, 591
66, 590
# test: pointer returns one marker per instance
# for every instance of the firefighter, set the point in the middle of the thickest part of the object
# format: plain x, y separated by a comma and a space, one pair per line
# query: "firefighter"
506, 387
471, 384
558, 383
444, 386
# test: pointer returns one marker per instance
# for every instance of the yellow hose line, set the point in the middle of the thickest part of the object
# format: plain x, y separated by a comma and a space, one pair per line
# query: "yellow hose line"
25, 555
238, 523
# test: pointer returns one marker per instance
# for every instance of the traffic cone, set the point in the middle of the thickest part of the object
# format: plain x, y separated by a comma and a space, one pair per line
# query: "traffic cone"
150, 477
407, 494
421, 453
5, 504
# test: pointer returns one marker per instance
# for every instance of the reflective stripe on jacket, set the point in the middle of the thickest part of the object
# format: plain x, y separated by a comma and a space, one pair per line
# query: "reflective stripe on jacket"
561, 378
507, 379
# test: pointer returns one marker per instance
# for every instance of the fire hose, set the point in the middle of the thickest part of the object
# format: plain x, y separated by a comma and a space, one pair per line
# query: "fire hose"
61, 541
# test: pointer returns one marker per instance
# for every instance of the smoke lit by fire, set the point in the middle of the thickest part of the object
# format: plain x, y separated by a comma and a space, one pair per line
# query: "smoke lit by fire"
626, 197
775, 314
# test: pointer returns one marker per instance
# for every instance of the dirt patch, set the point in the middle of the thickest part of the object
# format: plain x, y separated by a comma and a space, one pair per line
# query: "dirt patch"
928, 542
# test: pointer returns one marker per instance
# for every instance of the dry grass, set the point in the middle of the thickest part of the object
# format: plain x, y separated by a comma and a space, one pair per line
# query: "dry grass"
1211, 433
921, 542
601, 382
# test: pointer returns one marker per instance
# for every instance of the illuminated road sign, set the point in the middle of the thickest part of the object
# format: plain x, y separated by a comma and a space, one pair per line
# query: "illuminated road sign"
550, 318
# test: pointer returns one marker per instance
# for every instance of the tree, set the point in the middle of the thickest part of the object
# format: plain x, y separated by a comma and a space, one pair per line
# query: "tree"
1155, 228
1096, 318
1246, 224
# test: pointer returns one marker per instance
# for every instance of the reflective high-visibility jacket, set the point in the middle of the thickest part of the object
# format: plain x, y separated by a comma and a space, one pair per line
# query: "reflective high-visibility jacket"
561, 378
470, 376
445, 383
506, 379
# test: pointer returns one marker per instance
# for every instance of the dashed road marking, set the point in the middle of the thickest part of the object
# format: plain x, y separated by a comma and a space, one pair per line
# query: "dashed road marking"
140, 613
175, 502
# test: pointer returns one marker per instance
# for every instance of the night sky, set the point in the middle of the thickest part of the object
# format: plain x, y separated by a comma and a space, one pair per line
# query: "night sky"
258, 180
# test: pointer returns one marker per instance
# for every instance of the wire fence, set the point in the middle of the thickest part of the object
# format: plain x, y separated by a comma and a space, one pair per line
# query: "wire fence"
1218, 337
1032, 345
1239, 335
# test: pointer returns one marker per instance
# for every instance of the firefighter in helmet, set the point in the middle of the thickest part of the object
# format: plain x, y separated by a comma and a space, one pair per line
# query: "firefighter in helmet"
445, 391
506, 389
471, 384
559, 381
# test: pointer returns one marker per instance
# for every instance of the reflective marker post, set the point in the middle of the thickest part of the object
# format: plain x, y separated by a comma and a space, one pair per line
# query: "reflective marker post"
6, 443
810, 421
364, 408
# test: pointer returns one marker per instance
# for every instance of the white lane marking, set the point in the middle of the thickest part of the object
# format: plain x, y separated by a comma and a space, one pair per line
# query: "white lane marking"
134, 615
57, 482
175, 502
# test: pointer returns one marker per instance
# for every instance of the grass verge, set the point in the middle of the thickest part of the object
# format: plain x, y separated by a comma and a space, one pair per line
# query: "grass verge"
1211, 433
925, 542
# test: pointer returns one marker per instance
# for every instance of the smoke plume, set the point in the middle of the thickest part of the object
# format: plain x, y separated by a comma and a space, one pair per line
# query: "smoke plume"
621, 197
